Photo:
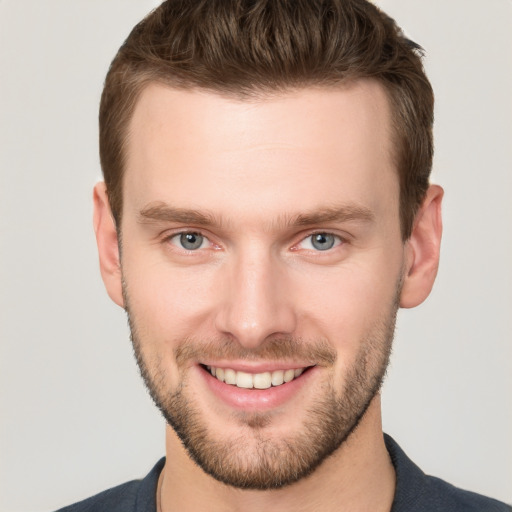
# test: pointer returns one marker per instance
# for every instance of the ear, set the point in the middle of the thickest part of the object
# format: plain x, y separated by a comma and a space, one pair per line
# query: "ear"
422, 250
108, 247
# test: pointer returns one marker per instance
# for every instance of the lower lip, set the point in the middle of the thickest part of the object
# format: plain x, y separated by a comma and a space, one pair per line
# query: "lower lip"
256, 399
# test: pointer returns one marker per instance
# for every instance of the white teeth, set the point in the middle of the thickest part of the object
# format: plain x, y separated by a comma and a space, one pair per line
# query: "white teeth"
289, 375
277, 378
220, 374
262, 380
255, 380
229, 376
244, 380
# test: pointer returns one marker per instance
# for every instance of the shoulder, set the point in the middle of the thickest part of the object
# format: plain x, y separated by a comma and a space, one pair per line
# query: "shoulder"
440, 495
134, 496
417, 492
118, 498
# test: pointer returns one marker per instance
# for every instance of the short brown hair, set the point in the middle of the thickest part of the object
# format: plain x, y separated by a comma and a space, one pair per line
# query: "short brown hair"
245, 47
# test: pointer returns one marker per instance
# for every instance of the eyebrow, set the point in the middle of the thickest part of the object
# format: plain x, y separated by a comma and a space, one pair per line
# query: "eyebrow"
162, 212
343, 213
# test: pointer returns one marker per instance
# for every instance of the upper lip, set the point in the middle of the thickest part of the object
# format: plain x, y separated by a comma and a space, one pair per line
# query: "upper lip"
248, 367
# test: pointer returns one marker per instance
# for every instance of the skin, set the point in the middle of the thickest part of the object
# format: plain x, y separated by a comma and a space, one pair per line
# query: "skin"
255, 166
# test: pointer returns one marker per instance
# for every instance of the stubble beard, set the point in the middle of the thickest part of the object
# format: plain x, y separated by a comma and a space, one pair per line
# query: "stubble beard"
256, 459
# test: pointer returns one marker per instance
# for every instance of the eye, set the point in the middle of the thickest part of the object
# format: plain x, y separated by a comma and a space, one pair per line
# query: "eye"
320, 242
189, 241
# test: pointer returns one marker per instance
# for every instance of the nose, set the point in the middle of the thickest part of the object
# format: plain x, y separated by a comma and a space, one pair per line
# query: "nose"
256, 299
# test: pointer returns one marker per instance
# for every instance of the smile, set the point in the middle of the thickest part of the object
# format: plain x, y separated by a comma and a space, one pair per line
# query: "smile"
262, 380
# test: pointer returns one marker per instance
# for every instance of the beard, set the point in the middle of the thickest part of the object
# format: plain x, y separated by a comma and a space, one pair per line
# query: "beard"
255, 458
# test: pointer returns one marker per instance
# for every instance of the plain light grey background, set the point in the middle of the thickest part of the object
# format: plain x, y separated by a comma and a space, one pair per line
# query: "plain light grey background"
75, 418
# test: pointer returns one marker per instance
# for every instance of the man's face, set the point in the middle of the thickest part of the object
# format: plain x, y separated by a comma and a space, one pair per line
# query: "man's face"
261, 242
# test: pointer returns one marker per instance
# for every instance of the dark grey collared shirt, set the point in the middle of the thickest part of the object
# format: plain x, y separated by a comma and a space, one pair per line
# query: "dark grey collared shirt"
415, 492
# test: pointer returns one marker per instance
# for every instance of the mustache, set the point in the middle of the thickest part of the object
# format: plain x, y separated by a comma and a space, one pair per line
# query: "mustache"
315, 352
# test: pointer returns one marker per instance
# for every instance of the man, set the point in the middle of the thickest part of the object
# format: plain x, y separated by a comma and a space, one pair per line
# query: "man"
266, 210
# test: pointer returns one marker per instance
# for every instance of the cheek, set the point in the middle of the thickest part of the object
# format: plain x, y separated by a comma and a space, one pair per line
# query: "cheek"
168, 301
356, 315
165, 309
343, 305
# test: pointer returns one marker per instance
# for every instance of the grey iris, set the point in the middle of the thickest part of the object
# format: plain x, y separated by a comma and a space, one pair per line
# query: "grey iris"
191, 241
322, 241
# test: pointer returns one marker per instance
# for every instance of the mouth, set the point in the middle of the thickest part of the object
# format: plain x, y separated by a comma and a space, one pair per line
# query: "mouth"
257, 388
263, 380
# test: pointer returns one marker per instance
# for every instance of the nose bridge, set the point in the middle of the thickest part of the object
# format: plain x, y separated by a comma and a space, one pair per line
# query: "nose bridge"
256, 300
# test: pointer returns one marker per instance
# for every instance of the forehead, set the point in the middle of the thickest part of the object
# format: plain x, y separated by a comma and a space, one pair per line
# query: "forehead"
325, 144
296, 113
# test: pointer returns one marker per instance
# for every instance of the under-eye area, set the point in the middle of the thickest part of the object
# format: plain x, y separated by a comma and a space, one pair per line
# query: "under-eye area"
262, 380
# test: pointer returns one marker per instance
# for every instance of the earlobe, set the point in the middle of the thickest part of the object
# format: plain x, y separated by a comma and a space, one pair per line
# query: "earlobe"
108, 247
422, 250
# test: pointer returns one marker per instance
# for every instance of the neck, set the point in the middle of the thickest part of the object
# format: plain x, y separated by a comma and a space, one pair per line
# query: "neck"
358, 476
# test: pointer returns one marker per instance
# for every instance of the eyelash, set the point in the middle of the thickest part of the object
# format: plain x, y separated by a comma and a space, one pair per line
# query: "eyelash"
337, 240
